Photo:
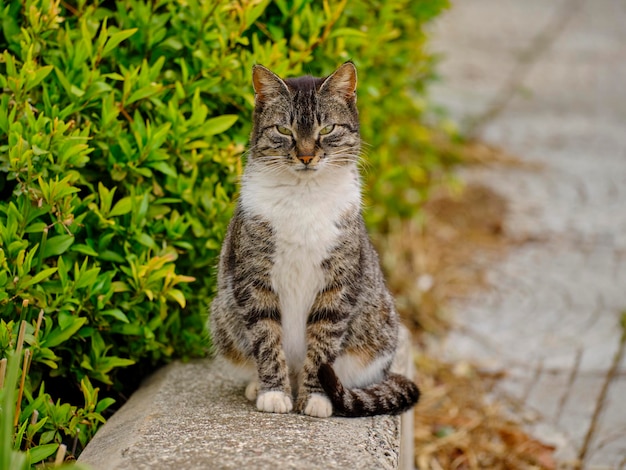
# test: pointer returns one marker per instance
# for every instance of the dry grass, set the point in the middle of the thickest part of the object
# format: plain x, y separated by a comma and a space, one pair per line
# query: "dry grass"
443, 259
428, 265
457, 427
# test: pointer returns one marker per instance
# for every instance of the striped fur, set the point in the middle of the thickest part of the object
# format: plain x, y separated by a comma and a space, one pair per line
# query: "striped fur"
394, 395
299, 282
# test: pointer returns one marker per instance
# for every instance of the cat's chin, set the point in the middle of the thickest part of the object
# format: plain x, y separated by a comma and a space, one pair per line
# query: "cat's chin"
306, 173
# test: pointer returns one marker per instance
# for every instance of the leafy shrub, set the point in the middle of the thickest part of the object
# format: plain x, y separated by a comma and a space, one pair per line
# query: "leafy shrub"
121, 130
11, 458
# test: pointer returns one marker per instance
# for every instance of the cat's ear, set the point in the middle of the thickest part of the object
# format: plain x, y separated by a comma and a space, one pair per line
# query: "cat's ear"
342, 82
267, 84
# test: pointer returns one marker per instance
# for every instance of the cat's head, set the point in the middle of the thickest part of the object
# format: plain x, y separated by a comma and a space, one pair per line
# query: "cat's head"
305, 125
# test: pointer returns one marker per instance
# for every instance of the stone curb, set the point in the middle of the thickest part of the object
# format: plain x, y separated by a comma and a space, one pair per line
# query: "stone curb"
195, 416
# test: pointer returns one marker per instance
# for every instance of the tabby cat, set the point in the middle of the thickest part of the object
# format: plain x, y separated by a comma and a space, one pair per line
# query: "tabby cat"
301, 299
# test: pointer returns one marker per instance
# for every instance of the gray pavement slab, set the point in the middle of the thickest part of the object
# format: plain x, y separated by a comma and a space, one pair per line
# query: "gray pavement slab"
195, 416
548, 81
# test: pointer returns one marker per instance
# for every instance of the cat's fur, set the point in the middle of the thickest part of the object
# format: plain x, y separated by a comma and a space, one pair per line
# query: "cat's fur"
301, 298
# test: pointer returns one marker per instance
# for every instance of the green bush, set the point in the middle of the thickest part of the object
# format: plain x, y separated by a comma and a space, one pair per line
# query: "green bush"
121, 130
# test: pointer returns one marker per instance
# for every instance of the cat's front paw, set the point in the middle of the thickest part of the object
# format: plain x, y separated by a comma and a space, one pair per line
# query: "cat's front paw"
274, 402
318, 406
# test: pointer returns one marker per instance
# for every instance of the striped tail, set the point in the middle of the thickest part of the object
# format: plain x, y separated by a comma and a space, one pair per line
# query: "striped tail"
394, 395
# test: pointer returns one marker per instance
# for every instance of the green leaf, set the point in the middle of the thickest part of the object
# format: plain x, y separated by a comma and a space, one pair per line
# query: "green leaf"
58, 336
347, 32
39, 453
38, 76
252, 14
63, 272
8, 405
38, 151
35, 227
110, 362
219, 124
40, 276
116, 313
130, 329
10, 24
143, 93
87, 278
121, 207
109, 255
146, 240
164, 168
104, 404
84, 249
76, 91
57, 245
176, 295
63, 79
116, 38
106, 197
66, 320
114, 76
47, 436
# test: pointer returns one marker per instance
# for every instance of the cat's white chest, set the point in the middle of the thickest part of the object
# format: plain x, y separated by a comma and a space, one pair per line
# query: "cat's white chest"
304, 222
303, 240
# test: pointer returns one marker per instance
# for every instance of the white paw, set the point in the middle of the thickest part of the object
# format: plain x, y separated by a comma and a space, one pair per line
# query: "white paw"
274, 402
318, 406
251, 390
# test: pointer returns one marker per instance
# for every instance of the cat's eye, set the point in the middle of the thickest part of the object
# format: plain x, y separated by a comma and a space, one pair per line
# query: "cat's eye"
284, 130
327, 130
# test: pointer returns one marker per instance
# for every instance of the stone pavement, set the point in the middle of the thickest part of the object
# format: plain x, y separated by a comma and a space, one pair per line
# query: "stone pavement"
546, 81
195, 416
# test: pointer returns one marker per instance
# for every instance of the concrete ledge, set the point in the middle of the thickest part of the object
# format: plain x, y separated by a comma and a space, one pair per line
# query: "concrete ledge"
195, 416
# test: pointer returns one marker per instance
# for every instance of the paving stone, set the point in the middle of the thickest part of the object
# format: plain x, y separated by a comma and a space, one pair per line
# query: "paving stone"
195, 416
551, 315
483, 58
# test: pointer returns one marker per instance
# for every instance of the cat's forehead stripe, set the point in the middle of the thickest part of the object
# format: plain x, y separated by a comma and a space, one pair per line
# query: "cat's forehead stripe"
306, 84
306, 112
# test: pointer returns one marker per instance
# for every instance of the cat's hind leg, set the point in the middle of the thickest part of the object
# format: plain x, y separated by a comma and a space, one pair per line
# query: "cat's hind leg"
353, 370
252, 390
357, 370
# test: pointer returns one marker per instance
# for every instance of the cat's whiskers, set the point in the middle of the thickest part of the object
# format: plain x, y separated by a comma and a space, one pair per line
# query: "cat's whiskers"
346, 157
366, 149
247, 152
272, 164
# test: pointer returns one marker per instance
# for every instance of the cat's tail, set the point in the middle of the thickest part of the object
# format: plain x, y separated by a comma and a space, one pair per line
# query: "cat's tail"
394, 395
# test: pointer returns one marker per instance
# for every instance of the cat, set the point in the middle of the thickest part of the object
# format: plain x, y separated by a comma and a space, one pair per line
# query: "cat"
301, 298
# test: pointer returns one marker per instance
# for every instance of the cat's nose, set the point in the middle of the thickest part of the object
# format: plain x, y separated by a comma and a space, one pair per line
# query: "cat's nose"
306, 159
